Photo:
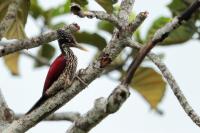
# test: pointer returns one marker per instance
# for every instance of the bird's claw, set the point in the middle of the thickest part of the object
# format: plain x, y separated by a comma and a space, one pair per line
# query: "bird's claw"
76, 76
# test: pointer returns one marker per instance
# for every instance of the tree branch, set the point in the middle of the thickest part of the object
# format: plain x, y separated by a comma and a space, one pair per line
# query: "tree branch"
102, 108
173, 84
40, 60
93, 71
176, 89
76, 10
65, 116
6, 114
131, 26
18, 45
159, 36
125, 10
10, 16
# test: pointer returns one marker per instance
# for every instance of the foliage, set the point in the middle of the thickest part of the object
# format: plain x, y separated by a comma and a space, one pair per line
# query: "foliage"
147, 81
150, 85
15, 31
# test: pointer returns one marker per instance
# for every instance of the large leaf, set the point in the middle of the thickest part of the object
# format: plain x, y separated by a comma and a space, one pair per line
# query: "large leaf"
177, 7
106, 26
46, 51
3, 8
180, 35
35, 9
106, 4
11, 61
16, 30
22, 12
150, 85
59, 10
93, 39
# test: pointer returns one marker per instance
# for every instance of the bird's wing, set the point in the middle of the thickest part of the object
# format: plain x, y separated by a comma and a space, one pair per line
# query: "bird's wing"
54, 72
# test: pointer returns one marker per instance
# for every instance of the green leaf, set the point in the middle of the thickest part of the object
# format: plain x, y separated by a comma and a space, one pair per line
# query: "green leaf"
106, 26
106, 4
60, 10
177, 7
15, 31
67, 6
93, 39
182, 34
150, 85
131, 16
137, 36
179, 35
35, 9
82, 3
158, 23
3, 8
46, 51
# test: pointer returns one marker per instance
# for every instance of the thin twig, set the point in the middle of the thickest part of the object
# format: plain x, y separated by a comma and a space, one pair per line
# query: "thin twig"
176, 89
76, 10
172, 82
159, 36
40, 60
18, 45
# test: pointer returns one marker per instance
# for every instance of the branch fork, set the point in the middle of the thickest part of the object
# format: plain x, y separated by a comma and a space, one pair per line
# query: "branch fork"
103, 106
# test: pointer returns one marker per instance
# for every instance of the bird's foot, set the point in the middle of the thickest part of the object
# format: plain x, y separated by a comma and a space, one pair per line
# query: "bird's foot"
76, 76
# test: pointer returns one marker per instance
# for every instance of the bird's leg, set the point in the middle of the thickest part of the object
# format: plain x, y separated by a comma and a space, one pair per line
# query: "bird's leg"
77, 76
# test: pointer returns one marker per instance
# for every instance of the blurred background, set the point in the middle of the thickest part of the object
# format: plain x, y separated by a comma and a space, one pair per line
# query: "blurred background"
152, 107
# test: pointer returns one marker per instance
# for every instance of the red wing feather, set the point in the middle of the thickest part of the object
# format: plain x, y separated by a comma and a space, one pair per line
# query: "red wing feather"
54, 72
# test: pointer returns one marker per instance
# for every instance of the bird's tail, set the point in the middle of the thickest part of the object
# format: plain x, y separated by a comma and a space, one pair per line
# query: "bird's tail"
38, 103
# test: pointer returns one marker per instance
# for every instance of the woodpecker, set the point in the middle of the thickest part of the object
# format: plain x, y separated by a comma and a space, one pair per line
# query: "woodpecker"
66, 60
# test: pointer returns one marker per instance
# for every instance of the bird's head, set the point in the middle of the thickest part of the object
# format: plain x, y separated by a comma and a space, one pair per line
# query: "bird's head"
67, 40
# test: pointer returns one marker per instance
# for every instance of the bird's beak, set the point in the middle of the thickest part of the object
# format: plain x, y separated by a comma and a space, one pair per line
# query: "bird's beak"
80, 47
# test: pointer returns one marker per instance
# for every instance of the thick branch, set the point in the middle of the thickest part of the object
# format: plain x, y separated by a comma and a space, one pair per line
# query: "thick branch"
65, 116
93, 71
102, 108
10, 16
126, 8
35, 41
6, 114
